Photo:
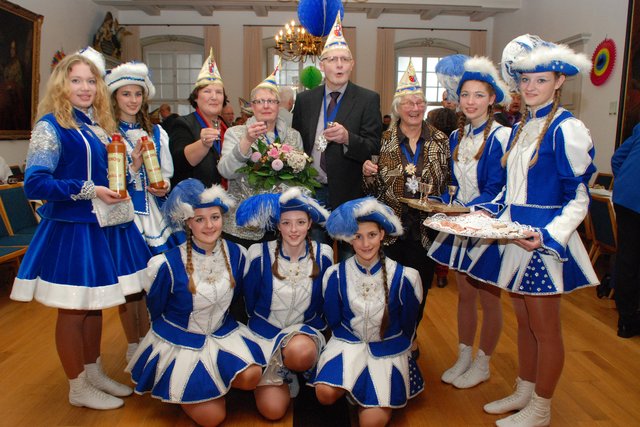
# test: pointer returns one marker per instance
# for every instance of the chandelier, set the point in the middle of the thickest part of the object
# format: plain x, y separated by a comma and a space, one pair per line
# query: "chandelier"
294, 43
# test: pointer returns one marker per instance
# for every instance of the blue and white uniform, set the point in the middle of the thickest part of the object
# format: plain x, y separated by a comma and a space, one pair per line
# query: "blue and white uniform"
280, 309
195, 348
72, 262
148, 219
552, 197
375, 372
478, 181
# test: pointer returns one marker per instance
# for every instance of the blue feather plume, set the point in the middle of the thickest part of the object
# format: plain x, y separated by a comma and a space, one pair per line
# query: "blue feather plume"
259, 211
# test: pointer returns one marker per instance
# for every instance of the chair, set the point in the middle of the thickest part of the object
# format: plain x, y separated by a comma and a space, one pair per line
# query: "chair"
604, 229
20, 214
605, 180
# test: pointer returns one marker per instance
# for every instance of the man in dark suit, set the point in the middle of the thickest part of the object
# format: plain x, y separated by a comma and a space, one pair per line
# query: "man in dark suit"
350, 128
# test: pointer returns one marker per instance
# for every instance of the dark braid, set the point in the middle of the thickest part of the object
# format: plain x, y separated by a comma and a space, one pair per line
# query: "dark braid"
189, 266
276, 255
315, 269
523, 121
232, 281
552, 113
487, 131
462, 122
385, 315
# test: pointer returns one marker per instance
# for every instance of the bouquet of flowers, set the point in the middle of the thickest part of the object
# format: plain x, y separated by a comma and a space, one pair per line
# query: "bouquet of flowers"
276, 163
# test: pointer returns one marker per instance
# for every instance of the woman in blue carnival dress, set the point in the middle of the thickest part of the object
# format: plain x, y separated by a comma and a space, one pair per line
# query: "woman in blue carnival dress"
477, 147
196, 351
283, 292
130, 90
549, 163
74, 264
371, 304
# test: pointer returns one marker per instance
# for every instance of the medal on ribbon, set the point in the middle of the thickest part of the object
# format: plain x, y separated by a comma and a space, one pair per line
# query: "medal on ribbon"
412, 184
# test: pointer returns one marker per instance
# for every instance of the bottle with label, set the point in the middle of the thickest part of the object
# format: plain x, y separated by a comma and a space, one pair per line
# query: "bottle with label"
151, 164
117, 161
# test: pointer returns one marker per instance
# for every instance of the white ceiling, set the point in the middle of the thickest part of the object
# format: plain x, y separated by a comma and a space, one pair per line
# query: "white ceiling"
476, 10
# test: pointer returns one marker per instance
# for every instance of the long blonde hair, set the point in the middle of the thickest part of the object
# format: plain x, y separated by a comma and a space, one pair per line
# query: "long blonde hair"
56, 98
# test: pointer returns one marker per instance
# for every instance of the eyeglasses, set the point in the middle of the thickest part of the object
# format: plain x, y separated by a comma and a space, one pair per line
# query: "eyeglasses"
409, 104
334, 59
265, 102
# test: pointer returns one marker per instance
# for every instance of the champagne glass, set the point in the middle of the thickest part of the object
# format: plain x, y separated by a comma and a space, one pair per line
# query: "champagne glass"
375, 159
452, 192
216, 125
427, 189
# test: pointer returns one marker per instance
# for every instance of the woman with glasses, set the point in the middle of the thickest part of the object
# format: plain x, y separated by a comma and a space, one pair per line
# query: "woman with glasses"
412, 152
265, 126
196, 139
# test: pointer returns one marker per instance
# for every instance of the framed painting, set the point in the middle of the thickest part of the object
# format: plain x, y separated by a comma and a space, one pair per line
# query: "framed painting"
629, 114
19, 69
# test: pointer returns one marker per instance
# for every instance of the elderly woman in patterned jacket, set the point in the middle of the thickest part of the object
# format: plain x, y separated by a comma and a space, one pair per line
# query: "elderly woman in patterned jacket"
412, 151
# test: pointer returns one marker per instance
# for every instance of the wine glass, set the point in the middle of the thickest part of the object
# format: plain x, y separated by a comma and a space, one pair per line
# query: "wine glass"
427, 190
452, 189
216, 125
375, 159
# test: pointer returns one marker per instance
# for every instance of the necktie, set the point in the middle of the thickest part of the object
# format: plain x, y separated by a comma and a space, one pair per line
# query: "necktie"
332, 106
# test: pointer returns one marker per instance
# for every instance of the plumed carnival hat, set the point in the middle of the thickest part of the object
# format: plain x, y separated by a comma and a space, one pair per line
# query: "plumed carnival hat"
190, 195
270, 82
408, 84
263, 210
209, 73
343, 221
335, 40
130, 73
482, 69
552, 57
94, 56
515, 50
449, 70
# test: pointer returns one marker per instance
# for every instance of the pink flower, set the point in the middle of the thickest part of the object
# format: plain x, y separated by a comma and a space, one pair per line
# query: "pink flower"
277, 165
255, 157
273, 153
286, 148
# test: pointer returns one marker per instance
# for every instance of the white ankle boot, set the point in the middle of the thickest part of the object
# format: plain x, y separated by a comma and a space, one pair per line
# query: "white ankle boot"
83, 393
537, 413
462, 364
100, 380
476, 374
514, 402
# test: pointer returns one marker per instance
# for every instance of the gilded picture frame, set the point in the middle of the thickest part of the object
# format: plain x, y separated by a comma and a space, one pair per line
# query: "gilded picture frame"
19, 69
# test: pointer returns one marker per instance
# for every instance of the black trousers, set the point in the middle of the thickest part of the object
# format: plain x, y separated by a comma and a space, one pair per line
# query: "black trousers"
627, 267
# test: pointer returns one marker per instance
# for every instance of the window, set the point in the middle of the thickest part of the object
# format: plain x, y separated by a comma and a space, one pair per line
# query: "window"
425, 54
174, 65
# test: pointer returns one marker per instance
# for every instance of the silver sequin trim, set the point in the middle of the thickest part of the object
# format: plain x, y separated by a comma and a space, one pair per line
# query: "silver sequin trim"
44, 147
87, 192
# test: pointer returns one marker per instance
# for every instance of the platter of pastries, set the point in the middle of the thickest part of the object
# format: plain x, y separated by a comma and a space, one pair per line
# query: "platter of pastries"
479, 226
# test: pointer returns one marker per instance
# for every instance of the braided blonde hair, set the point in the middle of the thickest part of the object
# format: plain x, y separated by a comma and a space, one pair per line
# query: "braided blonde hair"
189, 266
462, 122
523, 120
385, 315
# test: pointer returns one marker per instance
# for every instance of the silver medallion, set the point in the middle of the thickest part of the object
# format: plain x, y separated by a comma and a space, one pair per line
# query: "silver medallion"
321, 143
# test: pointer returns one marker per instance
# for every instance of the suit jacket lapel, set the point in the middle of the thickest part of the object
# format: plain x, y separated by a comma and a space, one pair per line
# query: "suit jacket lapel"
347, 104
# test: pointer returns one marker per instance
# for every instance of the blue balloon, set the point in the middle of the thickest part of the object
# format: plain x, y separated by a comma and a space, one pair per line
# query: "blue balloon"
318, 16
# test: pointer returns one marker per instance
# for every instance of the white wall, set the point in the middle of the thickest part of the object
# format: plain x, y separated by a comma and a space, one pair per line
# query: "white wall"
67, 25
556, 20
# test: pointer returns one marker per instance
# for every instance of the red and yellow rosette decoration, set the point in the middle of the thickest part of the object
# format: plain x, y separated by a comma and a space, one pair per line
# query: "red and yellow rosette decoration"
603, 59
